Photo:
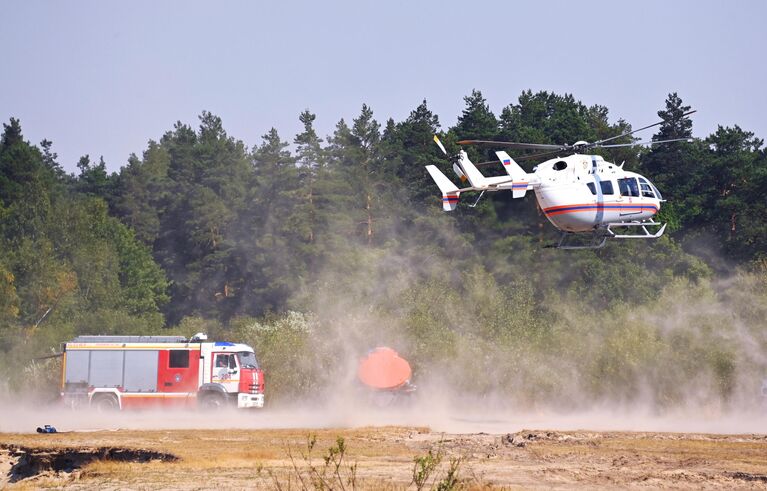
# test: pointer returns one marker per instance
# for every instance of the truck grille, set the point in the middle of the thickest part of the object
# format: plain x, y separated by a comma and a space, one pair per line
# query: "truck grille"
254, 388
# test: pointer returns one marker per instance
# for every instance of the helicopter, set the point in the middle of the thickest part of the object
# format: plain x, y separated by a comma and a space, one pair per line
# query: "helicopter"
588, 199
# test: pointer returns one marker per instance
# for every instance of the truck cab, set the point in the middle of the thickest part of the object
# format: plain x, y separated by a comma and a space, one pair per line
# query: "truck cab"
233, 369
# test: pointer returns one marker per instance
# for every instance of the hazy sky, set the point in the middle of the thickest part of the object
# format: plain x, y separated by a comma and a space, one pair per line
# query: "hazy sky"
102, 78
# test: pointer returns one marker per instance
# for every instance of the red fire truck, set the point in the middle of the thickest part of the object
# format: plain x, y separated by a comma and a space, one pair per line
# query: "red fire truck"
121, 372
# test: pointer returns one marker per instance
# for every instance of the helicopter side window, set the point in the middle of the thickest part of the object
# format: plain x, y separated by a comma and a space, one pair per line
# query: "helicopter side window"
592, 188
607, 187
646, 189
628, 187
623, 186
561, 165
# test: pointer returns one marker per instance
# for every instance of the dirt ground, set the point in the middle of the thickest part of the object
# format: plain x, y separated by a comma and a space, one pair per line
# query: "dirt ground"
380, 458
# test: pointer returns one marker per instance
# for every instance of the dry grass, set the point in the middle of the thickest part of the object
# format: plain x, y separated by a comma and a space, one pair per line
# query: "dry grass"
210, 459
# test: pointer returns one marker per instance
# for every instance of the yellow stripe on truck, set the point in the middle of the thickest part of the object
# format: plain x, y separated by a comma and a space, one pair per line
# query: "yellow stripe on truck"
158, 394
79, 346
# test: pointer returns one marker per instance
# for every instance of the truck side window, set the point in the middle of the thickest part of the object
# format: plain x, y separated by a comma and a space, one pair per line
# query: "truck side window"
178, 358
222, 361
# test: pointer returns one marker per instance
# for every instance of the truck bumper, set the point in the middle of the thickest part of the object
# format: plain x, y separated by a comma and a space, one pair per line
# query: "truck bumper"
250, 400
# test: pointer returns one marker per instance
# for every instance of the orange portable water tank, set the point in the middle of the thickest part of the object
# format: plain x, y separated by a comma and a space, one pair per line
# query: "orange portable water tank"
383, 368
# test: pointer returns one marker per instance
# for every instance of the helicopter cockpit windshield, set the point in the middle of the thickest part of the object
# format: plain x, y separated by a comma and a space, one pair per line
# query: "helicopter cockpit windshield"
648, 190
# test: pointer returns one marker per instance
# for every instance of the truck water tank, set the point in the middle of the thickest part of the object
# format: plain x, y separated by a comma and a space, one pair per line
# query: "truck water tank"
383, 368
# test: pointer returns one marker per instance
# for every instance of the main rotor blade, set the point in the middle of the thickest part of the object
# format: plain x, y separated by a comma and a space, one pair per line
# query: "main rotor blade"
599, 143
489, 162
645, 143
522, 146
536, 155
522, 157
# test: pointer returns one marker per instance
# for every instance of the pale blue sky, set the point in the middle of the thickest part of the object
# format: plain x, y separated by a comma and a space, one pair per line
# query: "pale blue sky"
103, 77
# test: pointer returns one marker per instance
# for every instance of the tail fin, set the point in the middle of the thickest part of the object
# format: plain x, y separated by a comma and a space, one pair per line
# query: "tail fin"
518, 175
476, 178
450, 192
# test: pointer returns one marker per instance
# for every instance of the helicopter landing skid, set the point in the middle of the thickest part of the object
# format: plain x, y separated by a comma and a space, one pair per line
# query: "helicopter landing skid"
598, 238
573, 241
642, 234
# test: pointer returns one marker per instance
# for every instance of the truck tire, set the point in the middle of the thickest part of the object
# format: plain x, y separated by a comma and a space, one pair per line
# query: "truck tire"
383, 398
105, 403
212, 401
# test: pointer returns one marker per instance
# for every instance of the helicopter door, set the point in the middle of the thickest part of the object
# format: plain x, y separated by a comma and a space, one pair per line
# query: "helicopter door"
629, 196
606, 197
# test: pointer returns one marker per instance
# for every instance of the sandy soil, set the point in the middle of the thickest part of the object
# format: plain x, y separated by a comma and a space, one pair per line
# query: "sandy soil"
384, 459
489, 447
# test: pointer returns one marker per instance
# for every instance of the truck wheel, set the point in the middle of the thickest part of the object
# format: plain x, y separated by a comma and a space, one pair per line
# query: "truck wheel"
212, 402
105, 403
383, 398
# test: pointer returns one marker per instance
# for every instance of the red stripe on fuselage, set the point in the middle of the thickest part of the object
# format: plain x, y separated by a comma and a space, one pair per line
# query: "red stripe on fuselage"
590, 207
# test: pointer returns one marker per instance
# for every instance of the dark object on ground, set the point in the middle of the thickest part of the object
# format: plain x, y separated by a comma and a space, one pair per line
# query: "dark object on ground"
46, 429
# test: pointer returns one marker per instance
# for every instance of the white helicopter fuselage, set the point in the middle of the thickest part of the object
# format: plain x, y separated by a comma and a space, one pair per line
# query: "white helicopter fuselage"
581, 193
577, 193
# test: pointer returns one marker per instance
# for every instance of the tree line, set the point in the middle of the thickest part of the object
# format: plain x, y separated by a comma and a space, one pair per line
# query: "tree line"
201, 230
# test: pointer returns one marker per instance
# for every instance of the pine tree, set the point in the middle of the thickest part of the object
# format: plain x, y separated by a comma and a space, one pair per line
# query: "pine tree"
26, 185
667, 162
476, 122
408, 149
141, 192
730, 181
209, 178
95, 180
355, 155
311, 160
272, 268
367, 171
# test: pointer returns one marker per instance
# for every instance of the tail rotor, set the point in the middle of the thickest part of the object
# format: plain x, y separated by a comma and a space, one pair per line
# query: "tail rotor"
454, 159
440, 145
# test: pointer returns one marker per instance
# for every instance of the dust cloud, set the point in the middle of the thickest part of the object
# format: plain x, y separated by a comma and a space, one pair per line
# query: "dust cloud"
692, 361
461, 418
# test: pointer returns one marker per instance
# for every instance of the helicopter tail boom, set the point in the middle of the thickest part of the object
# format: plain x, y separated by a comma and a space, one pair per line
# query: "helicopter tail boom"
475, 177
450, 193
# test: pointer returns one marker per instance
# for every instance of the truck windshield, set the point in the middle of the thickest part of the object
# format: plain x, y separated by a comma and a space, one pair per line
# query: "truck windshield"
248, 359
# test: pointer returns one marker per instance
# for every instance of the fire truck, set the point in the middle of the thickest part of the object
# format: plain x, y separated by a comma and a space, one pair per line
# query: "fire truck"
122, 372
